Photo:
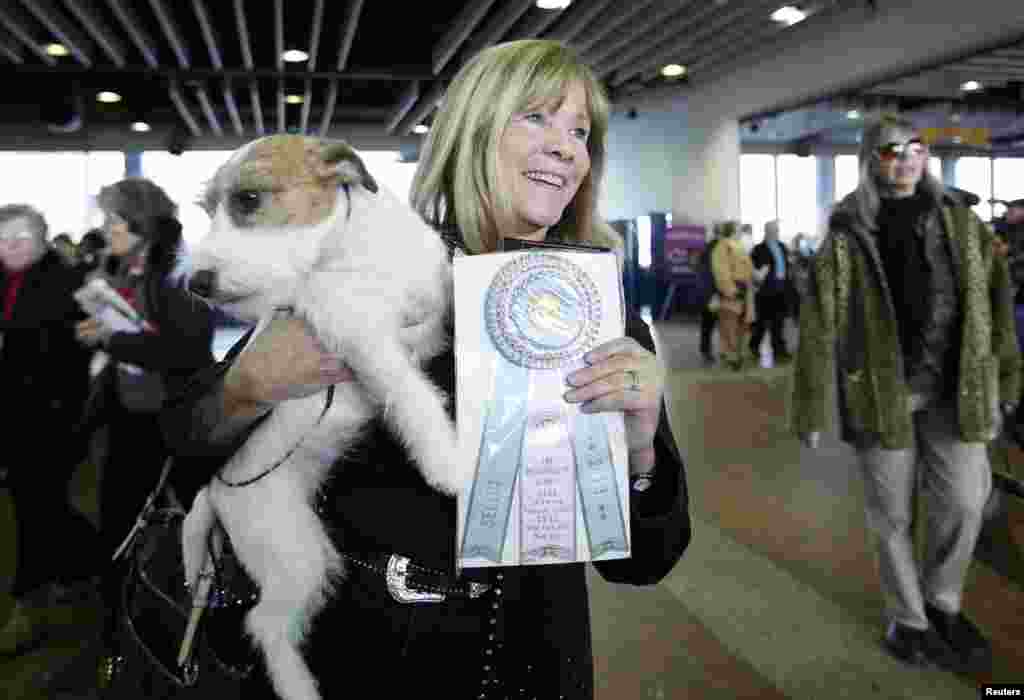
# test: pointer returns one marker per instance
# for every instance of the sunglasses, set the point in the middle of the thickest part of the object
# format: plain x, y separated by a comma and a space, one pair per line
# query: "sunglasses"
889, 152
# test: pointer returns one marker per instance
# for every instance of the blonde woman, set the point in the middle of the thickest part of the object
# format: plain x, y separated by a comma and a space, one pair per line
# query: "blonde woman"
734, 274
517, 150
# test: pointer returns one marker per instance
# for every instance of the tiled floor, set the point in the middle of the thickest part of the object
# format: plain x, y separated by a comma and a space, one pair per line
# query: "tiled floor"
776, 596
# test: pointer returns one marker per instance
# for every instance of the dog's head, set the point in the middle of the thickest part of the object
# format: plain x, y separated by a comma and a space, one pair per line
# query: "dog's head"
271, 205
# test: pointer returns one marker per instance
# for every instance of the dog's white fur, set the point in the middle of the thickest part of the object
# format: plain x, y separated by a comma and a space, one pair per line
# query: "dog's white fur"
373, 281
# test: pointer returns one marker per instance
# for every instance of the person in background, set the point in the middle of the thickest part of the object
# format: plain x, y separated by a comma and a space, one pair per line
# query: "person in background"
800, 261
733, 277
708, 317
770, 259
910, 307
45, 378
143, 236
517, 150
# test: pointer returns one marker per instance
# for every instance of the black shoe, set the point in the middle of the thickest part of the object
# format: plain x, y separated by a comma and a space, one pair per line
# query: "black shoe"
919, 647
708, 358
783, 356
962, 636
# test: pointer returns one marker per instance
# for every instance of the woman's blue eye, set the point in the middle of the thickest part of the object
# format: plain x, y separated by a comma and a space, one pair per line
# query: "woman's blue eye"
581, 134
534, 117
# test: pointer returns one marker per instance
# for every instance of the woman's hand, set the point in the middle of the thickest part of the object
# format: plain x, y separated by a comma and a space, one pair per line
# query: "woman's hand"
92, 332
285, 361
607, 384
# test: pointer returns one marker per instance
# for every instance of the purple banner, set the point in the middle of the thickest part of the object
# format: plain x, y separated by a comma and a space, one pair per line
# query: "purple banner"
683, 245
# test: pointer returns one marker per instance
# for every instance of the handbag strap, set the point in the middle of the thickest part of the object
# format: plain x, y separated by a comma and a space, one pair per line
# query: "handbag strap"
147, 508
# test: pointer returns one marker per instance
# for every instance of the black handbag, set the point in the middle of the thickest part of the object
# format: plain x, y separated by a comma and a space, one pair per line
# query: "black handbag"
151, 658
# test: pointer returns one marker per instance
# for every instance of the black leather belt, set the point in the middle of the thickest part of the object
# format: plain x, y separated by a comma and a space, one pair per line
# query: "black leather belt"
408, 582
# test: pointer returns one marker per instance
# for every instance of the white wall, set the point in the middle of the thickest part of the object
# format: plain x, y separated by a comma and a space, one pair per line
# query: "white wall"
643, 156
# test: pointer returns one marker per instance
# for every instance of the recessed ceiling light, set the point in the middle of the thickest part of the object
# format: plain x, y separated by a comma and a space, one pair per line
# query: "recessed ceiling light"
673, 70
420, 129
971, 85
140, 126
853, 114
789, 15
295, 56
294, 99
57, 50
955, 117
553, 4
107, 96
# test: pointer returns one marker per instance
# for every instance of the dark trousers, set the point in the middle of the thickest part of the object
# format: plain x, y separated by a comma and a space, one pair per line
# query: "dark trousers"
770, 317
54, 542
707, 327
135, 456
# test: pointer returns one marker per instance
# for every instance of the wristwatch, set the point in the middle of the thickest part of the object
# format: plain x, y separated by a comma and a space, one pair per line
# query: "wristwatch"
642, 481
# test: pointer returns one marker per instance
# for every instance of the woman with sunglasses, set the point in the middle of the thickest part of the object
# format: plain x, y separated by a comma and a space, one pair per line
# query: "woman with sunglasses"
910, 307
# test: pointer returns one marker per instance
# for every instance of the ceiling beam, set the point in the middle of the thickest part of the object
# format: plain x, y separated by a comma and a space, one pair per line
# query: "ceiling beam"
609, 21
426, 104
396, 73
233, 114
328, 113
257, 108
246, 48
469, 17
578, 16
207, 106
536, 23
314, 33
353, 12
307, 103
639, 32
89, 17
171, 31
279, 62
174, 91
672, 42
10, 48
405, 104
51, 17
497, 25
213, 46
18, 24
130, 21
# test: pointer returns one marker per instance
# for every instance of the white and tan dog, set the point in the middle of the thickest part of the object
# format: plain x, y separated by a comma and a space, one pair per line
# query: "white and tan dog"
299, 222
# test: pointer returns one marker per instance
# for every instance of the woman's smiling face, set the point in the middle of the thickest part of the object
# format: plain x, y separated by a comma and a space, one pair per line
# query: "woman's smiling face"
542, 160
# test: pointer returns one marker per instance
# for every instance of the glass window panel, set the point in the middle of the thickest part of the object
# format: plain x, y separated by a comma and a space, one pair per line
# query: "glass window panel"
935, 167
58, 184
101, 168
798, 197
390, 172
643, 241
184, 178
1008, 183
974, 174
757, 191
847, 176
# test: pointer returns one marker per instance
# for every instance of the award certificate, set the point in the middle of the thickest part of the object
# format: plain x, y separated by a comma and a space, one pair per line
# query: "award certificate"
549, 484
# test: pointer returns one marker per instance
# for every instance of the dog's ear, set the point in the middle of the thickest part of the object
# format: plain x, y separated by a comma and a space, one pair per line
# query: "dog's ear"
342, 162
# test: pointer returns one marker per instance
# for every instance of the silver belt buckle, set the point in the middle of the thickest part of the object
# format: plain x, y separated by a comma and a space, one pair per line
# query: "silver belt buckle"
398, 568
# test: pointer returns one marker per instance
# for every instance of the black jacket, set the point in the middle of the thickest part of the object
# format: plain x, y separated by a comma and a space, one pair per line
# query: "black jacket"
534, 636
44, 371
760, 256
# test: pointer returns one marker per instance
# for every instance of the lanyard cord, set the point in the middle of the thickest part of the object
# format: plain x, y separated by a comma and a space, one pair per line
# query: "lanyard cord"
246, 482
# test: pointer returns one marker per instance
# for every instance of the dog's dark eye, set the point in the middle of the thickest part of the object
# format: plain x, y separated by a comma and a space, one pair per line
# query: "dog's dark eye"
246, 202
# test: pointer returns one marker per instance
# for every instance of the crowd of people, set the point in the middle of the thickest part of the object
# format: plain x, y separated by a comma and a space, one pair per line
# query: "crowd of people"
925, 382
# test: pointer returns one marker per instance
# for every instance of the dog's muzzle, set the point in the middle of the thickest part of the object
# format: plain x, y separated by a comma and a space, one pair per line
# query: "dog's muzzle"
203, 283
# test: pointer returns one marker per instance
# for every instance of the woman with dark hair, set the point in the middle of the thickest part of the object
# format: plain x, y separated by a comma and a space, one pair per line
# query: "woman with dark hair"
144, 236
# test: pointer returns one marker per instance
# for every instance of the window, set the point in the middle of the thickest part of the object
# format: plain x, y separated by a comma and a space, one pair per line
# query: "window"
643, 241
390, 172
757, 191
798, 198
62, 185
847, 176
184, 178
1007, 181
974, 174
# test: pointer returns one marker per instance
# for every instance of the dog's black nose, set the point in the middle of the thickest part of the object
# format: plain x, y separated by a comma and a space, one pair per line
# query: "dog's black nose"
202, 282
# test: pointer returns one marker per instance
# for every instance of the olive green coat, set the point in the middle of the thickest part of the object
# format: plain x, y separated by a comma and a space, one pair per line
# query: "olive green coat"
849, 334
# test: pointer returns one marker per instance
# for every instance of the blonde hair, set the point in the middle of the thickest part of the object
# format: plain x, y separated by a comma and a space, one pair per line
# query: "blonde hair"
867, 197
456, 186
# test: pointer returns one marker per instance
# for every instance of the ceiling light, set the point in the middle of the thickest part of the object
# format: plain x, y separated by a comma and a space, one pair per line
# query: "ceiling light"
553, 4
56, 50
788, 15
294, 99
673, 70
853, 114
295, 56
420, 129
140, 126
108, 97
955, 117
971, 85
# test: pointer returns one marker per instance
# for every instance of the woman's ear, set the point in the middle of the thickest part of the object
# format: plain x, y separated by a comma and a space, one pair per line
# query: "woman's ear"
342, 163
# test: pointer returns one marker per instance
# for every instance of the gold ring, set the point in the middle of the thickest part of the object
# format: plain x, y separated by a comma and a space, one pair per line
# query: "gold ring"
634, 380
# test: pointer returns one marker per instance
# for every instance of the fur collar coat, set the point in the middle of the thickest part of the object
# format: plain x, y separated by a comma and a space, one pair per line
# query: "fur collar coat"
849, 333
